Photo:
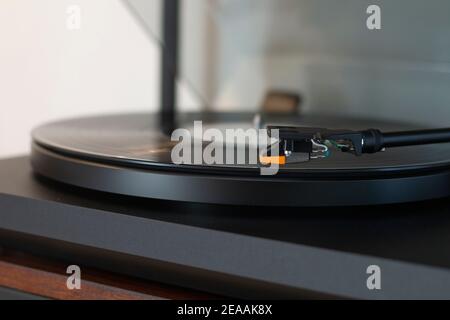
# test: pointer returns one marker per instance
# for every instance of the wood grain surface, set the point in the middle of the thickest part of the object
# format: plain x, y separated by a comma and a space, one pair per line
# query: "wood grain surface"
47, 278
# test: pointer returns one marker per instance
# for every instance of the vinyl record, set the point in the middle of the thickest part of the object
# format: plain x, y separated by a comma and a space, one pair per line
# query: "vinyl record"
128, 154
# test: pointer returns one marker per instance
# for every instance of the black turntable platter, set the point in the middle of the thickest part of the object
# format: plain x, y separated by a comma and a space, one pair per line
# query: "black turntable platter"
130, 155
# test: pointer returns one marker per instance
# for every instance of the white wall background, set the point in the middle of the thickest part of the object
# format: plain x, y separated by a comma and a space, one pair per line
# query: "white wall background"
48, 72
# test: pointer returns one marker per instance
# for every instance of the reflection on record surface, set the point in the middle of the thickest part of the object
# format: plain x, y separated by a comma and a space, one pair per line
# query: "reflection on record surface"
137, 138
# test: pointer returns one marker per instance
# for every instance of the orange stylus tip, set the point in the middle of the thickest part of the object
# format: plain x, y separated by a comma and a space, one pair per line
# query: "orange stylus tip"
280, 160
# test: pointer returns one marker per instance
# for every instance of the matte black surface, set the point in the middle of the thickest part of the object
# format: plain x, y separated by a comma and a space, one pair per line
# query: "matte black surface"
224, 249
169, 69
409, 138
10, 294
129, 155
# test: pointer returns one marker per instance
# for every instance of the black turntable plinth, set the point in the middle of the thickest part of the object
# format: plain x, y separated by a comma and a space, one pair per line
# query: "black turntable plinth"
245, 252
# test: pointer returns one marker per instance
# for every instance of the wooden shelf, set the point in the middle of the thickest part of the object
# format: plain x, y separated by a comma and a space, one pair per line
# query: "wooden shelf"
47, 278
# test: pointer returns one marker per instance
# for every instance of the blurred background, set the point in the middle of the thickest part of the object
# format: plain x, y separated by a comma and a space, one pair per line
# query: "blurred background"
49, 71
231, 54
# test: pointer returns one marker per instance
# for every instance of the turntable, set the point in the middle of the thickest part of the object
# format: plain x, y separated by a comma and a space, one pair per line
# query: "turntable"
362, 167
130, 155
